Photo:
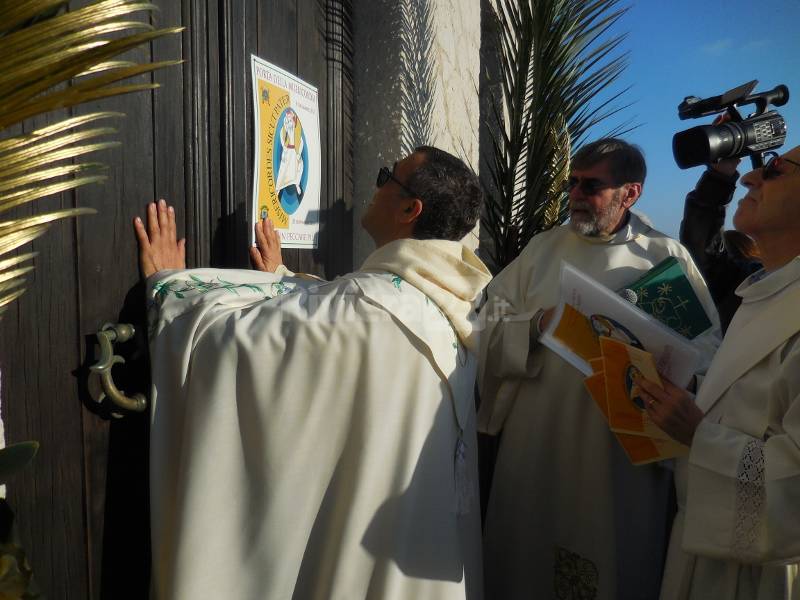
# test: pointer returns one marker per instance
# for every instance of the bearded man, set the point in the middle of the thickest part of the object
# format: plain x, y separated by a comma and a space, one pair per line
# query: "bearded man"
568, 515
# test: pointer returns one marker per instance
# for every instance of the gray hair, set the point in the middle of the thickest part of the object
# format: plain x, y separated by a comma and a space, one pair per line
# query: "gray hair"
626, 161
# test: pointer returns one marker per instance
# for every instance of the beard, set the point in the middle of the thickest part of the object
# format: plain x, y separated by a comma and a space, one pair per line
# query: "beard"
594, 223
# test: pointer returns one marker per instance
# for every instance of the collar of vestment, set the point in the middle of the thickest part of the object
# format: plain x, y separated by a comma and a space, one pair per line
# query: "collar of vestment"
635, 226
763, 284
447, 272
755, 333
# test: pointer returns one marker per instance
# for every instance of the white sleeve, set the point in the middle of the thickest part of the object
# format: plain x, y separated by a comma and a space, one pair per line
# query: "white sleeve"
505, 356
173, 293
744, 492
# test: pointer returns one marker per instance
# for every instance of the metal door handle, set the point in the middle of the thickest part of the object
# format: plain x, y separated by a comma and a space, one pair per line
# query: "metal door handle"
108, 334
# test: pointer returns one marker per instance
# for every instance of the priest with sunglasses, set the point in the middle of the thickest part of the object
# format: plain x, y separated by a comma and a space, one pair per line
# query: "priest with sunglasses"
317, 439
568, 515
737, 533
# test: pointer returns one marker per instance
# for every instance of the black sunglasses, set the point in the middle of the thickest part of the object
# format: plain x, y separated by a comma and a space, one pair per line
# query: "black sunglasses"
770, 168
589, 187
384, 175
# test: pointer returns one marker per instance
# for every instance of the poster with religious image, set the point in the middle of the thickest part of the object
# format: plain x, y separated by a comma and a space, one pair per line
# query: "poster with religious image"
287, 169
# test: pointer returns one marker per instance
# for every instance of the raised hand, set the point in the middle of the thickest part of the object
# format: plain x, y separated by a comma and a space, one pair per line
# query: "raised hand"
159, 248
266, 254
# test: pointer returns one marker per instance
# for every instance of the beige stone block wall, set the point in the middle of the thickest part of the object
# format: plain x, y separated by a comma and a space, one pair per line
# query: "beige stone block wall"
457, 48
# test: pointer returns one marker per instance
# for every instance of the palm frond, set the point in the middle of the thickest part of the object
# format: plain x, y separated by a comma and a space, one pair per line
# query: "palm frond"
9, 271
51, 59
5, 301
26, 12
418, 89
556, 58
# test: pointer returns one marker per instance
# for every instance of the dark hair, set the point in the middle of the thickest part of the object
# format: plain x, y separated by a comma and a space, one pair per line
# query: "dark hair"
451, 196
740, 245
626, 161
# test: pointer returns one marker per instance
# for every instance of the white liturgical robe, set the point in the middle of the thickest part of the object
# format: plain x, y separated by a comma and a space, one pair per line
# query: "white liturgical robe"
317, 441
737, 533
568, 515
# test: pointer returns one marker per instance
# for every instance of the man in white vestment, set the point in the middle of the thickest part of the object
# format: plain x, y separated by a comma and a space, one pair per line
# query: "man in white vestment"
737, 533
316, 440
568, 516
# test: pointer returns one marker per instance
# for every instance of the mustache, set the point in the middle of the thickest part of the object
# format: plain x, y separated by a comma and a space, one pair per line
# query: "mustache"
580, 205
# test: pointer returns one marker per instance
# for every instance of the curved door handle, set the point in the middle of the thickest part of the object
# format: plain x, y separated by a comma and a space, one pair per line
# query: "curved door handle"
108, 334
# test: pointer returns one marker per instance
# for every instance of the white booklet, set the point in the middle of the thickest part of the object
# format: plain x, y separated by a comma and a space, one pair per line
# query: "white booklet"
588, 310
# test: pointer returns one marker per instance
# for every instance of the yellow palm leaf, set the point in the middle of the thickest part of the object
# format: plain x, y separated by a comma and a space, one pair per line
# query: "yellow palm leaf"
107, 66
84, 18
55, 155
13, 14
11, 240
29, 59
6, 300
10, 285
11, 272
15, 274
47, 174
16, 260
45, 148
45, 132
29, 194
559, 140
39, 220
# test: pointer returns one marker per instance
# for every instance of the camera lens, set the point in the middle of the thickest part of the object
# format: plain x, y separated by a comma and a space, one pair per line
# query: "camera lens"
707, 143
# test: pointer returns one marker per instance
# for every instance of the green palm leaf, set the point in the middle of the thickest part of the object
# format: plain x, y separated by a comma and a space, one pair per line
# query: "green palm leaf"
555, 59
51, 59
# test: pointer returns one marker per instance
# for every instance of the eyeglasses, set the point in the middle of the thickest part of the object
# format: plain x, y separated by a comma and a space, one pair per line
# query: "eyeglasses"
770, 168
589, 187
384, 175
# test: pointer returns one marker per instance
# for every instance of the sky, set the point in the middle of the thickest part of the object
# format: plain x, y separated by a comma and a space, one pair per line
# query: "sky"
701, 48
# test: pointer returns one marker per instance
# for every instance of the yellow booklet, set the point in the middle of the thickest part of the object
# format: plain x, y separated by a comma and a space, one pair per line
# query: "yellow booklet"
598, 365
626, 409
575, 331
639, 449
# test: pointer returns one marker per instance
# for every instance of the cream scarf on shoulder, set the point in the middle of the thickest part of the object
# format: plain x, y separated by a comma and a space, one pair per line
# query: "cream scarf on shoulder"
448, 273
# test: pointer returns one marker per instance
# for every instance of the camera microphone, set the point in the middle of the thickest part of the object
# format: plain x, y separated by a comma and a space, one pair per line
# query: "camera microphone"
629, 295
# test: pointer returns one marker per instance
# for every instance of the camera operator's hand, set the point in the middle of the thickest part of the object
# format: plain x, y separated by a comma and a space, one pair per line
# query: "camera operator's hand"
726, 166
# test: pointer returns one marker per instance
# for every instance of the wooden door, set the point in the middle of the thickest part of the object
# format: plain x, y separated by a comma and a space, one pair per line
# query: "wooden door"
81, 508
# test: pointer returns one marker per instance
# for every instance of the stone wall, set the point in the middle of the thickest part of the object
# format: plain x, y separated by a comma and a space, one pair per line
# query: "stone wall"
416, 66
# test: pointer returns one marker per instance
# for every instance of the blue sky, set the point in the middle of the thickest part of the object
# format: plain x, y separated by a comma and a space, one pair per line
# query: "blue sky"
702, 48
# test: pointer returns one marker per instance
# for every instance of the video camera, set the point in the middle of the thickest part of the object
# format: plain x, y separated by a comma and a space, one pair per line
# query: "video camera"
761, 131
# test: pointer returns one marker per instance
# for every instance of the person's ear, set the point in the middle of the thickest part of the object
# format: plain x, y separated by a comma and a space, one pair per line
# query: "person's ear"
411, 211
632, 193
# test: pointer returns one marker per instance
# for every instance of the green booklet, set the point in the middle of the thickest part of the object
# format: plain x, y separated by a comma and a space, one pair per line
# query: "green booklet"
666, 293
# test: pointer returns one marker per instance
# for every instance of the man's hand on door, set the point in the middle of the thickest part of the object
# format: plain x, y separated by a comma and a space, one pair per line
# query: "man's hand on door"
266, 254
159, 248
